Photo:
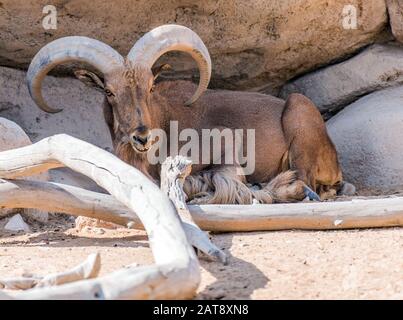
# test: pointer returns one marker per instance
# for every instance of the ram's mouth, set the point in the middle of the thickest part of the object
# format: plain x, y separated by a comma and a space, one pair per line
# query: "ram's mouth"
140, 148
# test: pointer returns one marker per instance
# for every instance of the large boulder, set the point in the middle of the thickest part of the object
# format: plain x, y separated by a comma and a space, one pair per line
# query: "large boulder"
82, 116
395, 11
368, 135
12, 137
255, 44
332, 88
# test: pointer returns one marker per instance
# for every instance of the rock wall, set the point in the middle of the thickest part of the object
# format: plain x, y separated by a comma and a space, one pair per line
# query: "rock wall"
255, 45
395, 11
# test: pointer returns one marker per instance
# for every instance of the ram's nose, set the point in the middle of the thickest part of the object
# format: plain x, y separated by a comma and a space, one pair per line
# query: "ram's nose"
141, 139
141, 136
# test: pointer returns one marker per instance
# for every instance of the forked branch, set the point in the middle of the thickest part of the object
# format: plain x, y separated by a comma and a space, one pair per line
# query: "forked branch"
176, 271
173, 174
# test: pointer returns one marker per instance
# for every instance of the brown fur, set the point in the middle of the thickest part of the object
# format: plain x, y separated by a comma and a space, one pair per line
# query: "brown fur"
290, 135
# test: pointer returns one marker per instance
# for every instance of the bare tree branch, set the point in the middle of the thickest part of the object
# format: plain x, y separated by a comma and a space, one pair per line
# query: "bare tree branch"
176, 271
173, 174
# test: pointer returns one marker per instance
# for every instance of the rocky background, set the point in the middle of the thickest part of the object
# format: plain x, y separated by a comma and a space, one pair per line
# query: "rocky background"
276, 47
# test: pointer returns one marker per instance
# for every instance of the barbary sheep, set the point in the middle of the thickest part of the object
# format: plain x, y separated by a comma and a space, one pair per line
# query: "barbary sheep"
294, 156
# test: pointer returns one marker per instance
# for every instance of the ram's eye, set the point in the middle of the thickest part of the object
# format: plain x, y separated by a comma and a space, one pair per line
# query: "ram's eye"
152, 88
109, 93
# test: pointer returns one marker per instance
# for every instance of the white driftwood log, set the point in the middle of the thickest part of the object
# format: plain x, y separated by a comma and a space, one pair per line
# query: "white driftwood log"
173, 174
86, 270
175, 273
63, 198
57, 197
357, 213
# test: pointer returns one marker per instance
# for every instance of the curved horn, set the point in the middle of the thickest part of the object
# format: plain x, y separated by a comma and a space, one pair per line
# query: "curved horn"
83, 49
169, 38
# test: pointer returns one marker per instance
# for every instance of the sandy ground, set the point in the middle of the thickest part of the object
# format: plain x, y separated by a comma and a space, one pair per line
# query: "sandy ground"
354, 264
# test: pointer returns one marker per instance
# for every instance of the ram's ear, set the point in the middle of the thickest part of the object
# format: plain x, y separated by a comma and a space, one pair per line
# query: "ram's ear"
90, 79
160, 69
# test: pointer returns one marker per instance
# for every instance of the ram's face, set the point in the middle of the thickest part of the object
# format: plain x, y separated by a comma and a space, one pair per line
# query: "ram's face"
128, 92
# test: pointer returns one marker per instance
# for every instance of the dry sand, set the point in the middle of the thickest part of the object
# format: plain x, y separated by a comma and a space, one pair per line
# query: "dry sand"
353, 264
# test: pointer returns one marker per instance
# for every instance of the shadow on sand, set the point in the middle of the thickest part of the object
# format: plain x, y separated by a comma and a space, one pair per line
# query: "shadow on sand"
237, 280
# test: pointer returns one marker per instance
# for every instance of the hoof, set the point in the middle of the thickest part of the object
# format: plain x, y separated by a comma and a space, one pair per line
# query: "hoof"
312, 195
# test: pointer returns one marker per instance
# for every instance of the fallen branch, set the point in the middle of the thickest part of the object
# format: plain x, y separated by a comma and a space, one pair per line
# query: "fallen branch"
176, 271
357, 213
55, 197
86, 270
173, 174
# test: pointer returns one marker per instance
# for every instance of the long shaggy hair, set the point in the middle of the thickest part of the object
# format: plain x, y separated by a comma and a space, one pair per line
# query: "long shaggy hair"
224, 187
125, 152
